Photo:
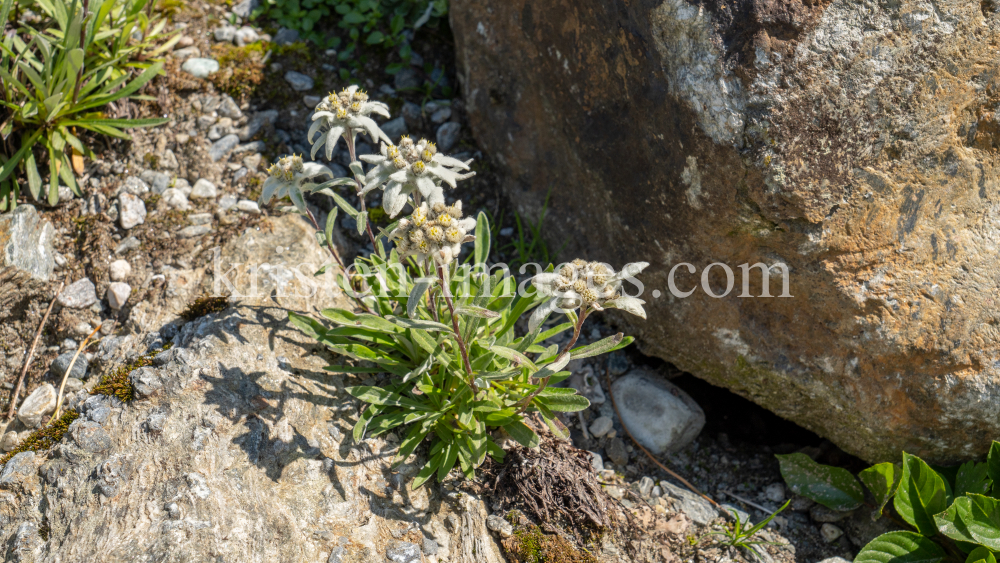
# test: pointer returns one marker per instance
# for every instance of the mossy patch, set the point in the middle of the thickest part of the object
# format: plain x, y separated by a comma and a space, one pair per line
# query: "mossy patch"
204, 306
530, 544
241, 69
117, 384
44, 438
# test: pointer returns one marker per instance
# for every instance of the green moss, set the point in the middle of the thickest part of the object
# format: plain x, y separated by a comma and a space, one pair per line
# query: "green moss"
530, 545
44, 438
117, 384
204, 306
241, 69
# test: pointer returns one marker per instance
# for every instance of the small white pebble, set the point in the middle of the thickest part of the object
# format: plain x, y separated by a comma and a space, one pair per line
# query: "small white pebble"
247, 206
119, 270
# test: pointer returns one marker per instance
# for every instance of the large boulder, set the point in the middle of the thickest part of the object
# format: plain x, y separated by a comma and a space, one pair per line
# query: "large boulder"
853, 142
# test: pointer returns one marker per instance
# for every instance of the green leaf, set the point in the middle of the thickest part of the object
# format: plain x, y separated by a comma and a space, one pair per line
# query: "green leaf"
514, 356
900, 547
992, 465
921, 495
12, 163
362, 219
482, 252
972, 478
383, 397
417, 323
564, 403
973, 518
603, 346
833, 487
34, 178
427, 471
882, 480
375, 38
420, 287
522, 434
478, 312
981, 554
366, 416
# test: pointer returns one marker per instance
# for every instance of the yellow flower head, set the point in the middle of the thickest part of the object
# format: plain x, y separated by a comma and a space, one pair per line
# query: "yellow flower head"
454, 235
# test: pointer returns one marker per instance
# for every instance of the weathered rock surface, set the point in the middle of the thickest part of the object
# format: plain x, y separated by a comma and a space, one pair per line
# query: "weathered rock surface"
232, 453
853, 141
26, 257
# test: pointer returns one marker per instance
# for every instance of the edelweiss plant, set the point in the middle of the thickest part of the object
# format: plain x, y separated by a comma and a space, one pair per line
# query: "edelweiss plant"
441, 331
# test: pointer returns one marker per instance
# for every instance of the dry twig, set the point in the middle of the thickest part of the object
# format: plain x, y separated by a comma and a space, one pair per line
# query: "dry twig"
31, 352
69, 370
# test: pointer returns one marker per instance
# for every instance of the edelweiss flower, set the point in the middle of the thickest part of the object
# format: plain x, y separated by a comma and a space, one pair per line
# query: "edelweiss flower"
345, 114
593, 284
412, 167
437, 231
289, 176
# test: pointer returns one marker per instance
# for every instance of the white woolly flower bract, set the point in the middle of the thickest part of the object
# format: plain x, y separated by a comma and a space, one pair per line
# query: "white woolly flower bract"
290, 176
412, 167
436, 231
340, 114
592, 284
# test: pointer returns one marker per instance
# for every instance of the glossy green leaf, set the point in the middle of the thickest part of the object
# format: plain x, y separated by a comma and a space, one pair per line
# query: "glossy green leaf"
921, 495
833, 487
882, 481
981, 554
900, 547
972, 477
993, 466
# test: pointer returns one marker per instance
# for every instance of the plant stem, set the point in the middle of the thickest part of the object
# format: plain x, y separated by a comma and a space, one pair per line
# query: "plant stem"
354, 158
454, 323
576, 331
544, 382
333, 252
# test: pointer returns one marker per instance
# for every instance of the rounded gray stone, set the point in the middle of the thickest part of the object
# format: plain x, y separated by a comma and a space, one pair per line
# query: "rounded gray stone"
298, 81
131, 211
403, 552
223, 146
79, 294
199, 67
40, 403
447, 136
59, 365
658, 414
